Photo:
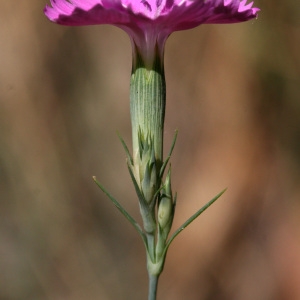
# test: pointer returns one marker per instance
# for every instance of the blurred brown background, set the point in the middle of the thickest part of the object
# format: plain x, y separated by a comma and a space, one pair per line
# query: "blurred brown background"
233, 93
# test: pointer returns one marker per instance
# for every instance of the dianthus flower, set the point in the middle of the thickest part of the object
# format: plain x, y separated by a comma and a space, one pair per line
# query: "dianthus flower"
148, 24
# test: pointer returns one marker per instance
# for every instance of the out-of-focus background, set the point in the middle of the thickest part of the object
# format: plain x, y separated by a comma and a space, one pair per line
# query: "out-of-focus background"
233, 94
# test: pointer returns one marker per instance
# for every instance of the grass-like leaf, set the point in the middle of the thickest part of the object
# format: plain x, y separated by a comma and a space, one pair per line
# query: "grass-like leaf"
129, 157
192, 218
123, 211
162, 170
141, 197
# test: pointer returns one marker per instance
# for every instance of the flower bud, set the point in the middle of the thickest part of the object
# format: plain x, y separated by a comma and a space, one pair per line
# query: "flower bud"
165, 212
166, 207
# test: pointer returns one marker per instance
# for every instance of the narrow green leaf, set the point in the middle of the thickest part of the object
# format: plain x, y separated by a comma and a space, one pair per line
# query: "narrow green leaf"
141, 197
123, 211
193, 217
129, 157
162, 170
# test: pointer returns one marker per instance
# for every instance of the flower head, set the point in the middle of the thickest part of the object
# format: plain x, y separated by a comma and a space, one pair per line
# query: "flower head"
169, 15
148, 24
147, 20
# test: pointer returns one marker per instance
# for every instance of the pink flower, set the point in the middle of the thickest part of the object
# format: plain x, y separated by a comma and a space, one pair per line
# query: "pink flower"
149, 21
148, 24
165, 15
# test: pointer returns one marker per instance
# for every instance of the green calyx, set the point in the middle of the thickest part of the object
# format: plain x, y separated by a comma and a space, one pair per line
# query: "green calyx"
147, 102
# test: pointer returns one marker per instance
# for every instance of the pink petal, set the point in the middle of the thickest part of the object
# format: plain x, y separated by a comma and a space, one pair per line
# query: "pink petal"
149, 19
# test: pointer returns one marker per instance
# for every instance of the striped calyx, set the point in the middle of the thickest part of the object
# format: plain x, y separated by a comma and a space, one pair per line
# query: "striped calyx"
148, 99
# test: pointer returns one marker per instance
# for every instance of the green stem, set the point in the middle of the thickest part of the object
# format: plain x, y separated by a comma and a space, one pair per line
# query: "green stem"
153, 281
151, 246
